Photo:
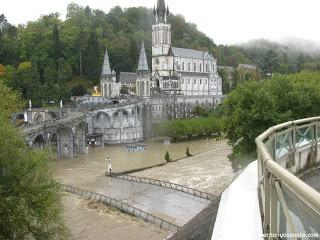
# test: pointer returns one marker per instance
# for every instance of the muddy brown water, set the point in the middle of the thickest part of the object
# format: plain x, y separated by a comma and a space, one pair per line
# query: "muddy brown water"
122, 160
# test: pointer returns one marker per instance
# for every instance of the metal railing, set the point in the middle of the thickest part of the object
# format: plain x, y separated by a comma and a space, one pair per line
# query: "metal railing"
166, 184
290, 208
124, 207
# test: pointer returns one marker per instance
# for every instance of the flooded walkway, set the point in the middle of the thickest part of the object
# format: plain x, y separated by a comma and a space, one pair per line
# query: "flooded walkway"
171, 205
210, 171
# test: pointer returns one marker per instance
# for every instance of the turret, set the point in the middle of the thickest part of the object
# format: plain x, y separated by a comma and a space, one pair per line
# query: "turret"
161, 13
143, 83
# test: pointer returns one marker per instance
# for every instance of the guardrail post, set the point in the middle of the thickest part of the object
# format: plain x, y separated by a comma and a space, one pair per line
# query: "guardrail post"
273, 207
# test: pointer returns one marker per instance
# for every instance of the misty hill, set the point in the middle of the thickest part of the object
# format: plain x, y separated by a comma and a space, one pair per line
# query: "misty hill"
49, 57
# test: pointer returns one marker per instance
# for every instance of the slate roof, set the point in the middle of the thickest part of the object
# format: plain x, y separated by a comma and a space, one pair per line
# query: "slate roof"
190, 53
127, 77
247, 66
143, 63
226, 68
106, 70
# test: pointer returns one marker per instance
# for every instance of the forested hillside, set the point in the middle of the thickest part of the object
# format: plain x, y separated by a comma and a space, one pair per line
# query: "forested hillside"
50, 59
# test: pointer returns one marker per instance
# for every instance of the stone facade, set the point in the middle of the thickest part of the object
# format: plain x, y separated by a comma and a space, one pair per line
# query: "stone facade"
109, 86
119, 124
178, 70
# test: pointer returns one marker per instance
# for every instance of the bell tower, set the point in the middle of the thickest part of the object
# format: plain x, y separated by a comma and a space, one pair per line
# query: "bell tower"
161, 40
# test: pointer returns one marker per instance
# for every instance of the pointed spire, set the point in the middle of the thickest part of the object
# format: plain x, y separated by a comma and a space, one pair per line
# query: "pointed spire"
162, 11
143, 63
106, 70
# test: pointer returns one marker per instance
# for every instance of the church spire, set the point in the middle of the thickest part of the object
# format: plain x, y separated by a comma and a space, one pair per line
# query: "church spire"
106, 70
162, 12
143, 63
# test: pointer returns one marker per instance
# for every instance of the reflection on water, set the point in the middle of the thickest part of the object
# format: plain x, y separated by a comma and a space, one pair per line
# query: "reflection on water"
122, 160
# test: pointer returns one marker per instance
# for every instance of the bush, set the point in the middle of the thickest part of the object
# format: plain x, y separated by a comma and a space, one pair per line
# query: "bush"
188, 152
167, 157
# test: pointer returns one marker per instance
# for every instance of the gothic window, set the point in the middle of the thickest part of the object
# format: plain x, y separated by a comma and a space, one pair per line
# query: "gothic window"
207, 67
182, 66
189, 67
194, 67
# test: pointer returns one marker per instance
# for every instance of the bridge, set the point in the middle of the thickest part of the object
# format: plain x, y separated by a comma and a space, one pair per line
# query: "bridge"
65, 135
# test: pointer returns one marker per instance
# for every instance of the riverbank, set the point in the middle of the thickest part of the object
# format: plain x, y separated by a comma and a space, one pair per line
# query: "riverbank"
210, 171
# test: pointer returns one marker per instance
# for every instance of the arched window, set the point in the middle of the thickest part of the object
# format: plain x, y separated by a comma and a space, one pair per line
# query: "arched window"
189, 67
182, 66
194, 67
200, 67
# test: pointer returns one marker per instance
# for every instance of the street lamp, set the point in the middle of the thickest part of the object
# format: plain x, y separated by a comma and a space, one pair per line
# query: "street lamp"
108, 159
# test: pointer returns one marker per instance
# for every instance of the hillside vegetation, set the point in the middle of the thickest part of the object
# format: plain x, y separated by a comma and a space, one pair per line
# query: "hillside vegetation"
50, 59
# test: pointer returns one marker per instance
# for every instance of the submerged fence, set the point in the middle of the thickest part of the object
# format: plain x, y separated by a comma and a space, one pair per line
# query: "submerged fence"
166, 184
124, 207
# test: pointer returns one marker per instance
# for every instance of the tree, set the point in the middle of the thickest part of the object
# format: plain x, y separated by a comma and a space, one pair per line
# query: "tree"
30, 206
167, 157
188, 152
93, 59
124, 90
254, 106
79, 90
57, 49
270, 63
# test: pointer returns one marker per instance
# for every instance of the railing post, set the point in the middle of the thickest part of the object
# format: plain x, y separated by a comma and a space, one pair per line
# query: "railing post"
273, 207
267, 191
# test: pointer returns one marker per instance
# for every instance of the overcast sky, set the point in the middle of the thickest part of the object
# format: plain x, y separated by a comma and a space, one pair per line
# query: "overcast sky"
225, 21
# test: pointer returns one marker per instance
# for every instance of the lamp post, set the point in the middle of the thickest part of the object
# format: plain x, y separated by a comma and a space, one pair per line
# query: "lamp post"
108, 159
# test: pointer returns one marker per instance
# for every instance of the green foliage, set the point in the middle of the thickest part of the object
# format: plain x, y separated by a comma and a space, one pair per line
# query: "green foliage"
176, 129
167, 157
200, 111
255, 106
29, 197
79, 90
124, 90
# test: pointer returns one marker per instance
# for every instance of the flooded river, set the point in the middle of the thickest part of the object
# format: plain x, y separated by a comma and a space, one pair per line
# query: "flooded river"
87, 172
122, 160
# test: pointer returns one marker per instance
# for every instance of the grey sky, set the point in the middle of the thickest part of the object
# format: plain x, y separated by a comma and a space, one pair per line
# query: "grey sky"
225, 21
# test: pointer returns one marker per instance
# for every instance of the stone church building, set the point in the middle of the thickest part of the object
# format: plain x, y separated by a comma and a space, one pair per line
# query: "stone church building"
175, 71
178, 70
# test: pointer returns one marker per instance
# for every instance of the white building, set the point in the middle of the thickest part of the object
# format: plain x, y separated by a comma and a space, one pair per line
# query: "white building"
179, 70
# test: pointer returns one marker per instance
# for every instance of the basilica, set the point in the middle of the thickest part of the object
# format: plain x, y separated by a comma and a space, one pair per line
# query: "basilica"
175, 71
